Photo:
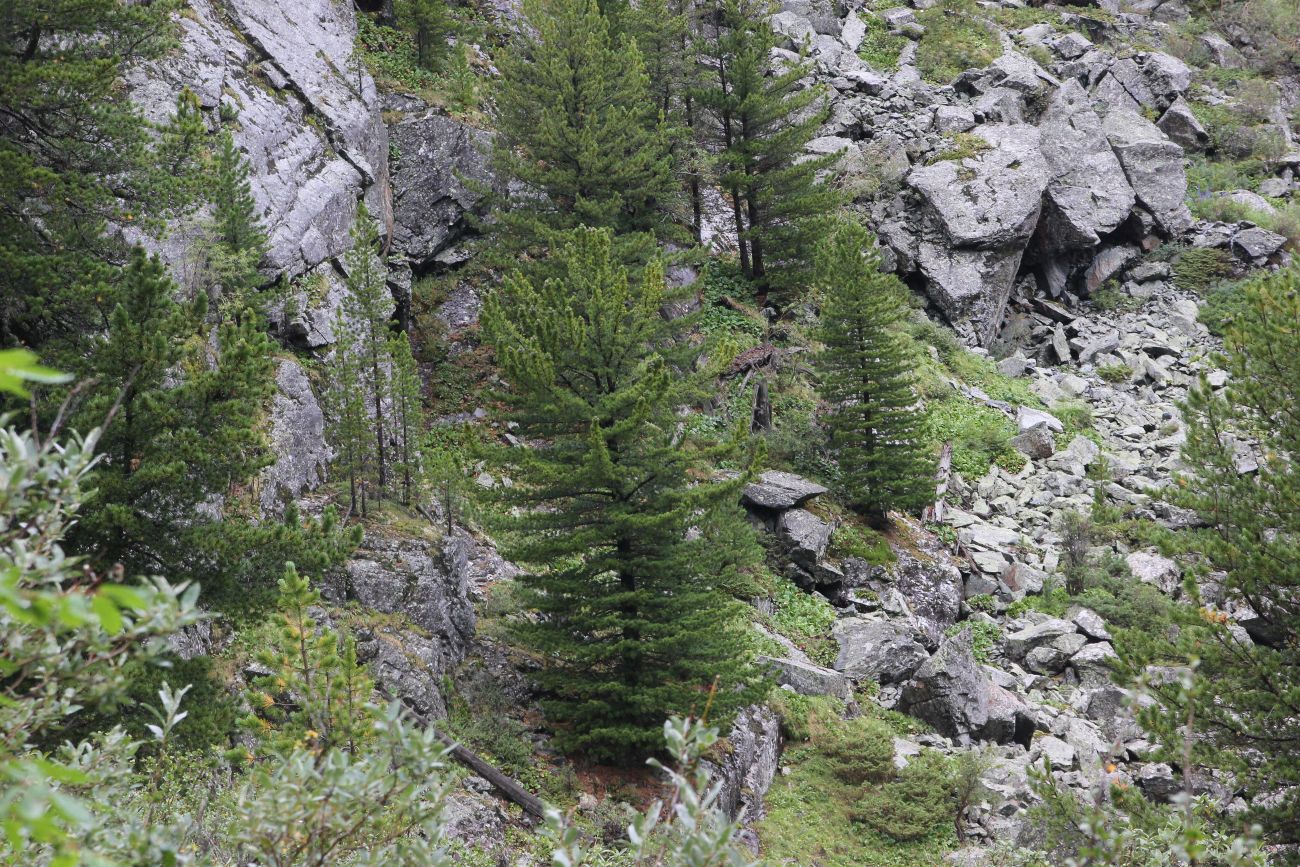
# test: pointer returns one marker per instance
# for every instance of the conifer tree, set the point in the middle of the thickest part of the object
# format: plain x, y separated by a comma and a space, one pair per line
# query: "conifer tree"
186, 436
429, 21
663, 35
633, 622
865, 374
367, 314
446, 477
350, 431
238, 240
578, 133
1242, 708
762, 117
316, 691
75, 156
408, 416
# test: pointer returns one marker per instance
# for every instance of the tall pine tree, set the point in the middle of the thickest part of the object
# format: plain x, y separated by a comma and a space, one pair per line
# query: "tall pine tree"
406, 399
1243, 484
237, 242
579, 134
366, 318
663, 34
762, 117
431, 23
633, 620
184, 444
865, 374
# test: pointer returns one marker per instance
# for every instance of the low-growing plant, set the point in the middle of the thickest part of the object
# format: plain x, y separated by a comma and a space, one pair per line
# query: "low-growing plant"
985, 636
880, 48
1200, 269
1115, 373
960, 146
957, 37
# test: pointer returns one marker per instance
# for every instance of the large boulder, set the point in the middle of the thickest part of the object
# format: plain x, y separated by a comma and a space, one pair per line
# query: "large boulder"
425, 580
979, 212
1183, 127
805, 537
440, 170
1088, 195
1154, 167
932, 586
297, 440
954, 694
778, 491
806, 678
876, 650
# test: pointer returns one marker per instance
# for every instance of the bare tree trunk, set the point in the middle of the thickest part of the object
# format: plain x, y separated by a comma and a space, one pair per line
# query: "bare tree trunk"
761, 419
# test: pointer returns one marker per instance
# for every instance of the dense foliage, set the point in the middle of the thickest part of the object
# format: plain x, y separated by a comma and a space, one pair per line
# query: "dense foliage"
630, 557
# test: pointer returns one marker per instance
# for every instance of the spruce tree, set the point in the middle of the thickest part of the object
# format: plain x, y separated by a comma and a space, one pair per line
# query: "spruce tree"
1242, 709
633, 622
762, 118
185, 439
238, 241
367, 315
865, 374
579, 137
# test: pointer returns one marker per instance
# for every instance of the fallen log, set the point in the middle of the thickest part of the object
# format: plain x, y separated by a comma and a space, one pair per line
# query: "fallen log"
507, 786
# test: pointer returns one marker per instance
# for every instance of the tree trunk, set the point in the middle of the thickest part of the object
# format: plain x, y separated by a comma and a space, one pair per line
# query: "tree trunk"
761, 418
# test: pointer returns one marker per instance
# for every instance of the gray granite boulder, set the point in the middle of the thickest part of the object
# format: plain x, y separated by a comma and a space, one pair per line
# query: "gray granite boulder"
1154, 167
778, 491
1088, 195
876, 650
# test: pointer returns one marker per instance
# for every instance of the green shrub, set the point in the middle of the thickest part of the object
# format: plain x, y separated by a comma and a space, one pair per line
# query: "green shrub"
983, 602
212, 712
984, 636
956, 38
1110, 297
804, 618
861, 750
722, 290
915, 805
1115, 372
880, 48
1200, 269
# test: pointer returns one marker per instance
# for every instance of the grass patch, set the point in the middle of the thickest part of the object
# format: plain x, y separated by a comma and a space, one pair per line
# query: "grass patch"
856, 540
981, 436
1115, 373
840, 805
393, 59
880, 48
956, 39
960, 146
